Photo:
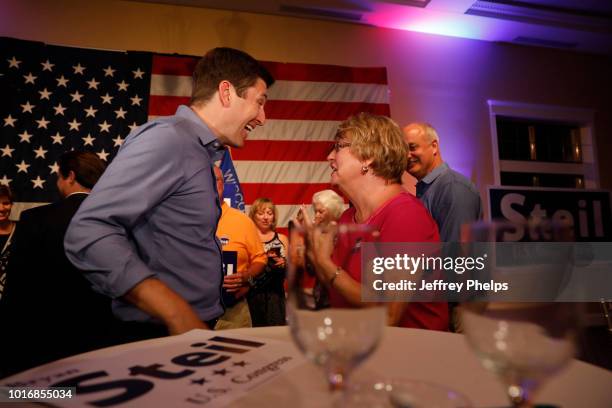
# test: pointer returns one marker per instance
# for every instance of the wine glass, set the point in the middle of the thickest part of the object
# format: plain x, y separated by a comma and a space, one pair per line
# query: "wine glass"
523, 342
337, 338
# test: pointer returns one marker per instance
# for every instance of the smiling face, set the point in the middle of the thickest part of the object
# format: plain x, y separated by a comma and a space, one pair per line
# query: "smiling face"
423, 155
264, 218
345, 166
322, 215
245, 113
5, 208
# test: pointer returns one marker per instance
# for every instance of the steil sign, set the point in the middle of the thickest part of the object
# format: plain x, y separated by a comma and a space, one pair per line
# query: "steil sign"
586, 211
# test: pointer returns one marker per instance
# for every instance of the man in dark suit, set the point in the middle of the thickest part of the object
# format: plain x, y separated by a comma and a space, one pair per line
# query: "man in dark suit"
49, 310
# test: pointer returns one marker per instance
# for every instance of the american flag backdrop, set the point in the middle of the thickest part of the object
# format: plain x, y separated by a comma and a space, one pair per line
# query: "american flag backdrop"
56, 99
283, 160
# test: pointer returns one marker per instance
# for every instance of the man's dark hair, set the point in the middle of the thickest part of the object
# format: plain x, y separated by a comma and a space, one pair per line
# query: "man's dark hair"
87, 167
229, 64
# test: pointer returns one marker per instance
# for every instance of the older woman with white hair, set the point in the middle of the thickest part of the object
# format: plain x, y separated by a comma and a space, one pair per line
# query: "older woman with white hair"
367, 163
327, 205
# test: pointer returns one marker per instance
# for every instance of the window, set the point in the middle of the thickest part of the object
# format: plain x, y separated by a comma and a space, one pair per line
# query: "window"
536, 140
542, 180
542, 146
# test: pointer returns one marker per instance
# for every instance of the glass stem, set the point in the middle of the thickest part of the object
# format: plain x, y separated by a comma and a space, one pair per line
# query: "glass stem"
518, 396
336, 381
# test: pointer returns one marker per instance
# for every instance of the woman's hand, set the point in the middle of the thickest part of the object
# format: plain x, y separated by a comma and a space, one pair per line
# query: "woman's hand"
279, 262
319, 243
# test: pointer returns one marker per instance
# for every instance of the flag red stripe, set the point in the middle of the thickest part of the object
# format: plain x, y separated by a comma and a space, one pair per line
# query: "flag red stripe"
289, 193
283, 150
165, 105
174, 65
326, 73
295, 110
317, 110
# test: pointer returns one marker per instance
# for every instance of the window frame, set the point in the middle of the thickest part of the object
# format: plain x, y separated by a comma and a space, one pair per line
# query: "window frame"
583, 118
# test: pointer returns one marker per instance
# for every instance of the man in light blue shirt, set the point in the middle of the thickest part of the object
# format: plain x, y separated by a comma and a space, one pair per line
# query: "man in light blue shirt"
146, 234
451, 198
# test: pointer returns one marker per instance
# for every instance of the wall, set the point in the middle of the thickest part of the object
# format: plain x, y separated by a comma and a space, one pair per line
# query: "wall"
445, 81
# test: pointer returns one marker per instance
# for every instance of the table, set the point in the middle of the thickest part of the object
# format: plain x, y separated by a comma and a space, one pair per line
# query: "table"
436, 357
441, 358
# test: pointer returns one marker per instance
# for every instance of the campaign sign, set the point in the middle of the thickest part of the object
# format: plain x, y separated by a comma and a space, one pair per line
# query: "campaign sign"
586, 211
198, 368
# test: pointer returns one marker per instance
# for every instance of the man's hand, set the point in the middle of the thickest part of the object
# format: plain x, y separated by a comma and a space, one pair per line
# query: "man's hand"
185, 323
232, 283
155, 298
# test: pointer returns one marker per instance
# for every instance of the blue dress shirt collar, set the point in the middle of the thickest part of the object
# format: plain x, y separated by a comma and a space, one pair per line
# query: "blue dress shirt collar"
422, 185
214, 147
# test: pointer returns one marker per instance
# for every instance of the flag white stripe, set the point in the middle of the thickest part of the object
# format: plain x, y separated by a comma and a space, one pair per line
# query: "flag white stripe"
328, 92
19, 206
282, 129
251, 171
286, 213
172, 85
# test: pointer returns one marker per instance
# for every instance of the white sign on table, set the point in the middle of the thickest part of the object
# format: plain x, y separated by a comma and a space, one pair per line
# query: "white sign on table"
199, 368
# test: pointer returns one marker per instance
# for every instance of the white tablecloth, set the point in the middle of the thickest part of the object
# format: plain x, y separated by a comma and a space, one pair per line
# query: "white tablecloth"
434, 357
441, 358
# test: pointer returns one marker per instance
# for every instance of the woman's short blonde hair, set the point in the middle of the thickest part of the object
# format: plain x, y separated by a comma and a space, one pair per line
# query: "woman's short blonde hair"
331, 201
377, 138
261, 204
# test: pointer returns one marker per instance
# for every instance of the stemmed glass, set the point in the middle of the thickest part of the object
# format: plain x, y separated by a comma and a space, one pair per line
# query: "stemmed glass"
337, 339
524, 343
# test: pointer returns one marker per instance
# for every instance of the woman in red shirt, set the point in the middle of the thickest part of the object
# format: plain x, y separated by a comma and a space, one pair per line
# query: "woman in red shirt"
368, 160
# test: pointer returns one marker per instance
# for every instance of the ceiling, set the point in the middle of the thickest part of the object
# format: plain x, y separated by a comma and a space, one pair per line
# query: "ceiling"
577, 25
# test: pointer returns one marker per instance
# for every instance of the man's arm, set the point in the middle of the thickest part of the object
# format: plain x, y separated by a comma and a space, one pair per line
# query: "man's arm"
99, 239
459, 205
255, 269
156, 299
